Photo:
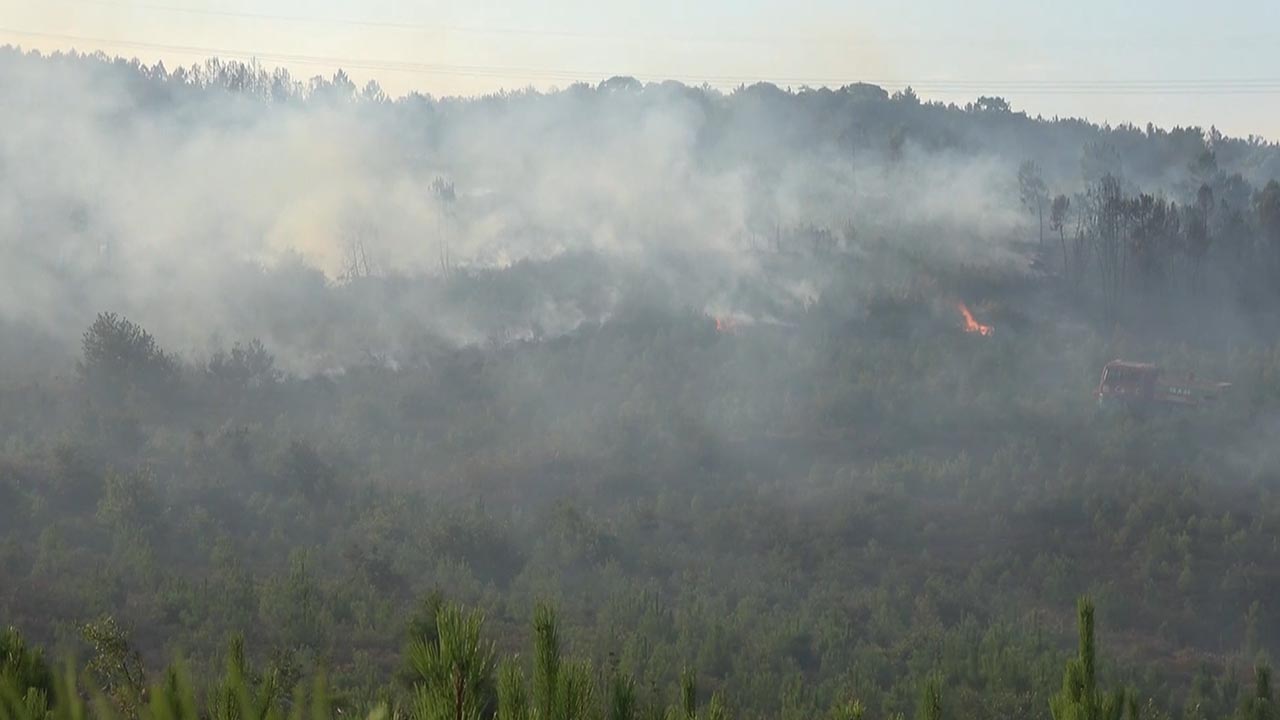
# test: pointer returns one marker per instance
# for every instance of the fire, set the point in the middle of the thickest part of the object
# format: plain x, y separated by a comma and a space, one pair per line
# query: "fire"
971, 325
726, 325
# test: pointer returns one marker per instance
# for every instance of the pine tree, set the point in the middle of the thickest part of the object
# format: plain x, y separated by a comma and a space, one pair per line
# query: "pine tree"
622, 698
513, 696
454, 674
577, 692
1261, 706
689, 694
22, 667
931, 700
849, 710
1079, 698
546, 663
173, 698
718, 709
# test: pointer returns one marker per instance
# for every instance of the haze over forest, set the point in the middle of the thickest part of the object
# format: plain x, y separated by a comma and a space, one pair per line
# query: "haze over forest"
773, 402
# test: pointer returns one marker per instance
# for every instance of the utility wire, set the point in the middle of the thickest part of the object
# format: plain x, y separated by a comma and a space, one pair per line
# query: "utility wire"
461, 29
210, 12
1206, 86
538, 32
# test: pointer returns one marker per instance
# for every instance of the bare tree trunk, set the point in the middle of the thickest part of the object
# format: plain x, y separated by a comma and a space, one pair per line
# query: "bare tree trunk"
1040, 215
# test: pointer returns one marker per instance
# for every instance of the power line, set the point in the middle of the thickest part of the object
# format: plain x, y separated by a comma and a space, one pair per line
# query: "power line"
458, 29
488, 30
208, 12
1207, 86
361, 63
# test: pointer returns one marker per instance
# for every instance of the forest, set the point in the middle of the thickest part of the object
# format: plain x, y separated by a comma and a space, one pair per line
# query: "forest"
624, 400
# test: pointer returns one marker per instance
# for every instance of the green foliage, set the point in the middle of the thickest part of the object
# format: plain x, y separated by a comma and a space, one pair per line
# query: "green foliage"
245, 367
807, 513
833, 493
1080, 698
689, 694
422, 629
718, 708
513, 694
547, 666
120, 358
64, 703
174, 698
931, 700
1261, 704
577, 698
115, 664
455, 673
455, 678
304, 471
849, 710
22, 665
622, 698
292, 604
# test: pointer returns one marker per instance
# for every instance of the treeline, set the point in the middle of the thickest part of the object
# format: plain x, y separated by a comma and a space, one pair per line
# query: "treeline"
857, 123
831, 493
757, 177
1134, 248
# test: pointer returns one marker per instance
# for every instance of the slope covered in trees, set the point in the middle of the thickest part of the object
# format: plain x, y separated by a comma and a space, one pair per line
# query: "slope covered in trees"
687, 366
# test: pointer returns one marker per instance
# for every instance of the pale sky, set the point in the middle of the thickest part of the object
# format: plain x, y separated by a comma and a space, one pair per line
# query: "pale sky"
1175, 62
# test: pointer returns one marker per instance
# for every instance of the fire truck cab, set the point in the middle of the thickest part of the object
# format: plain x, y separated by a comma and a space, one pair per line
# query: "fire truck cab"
1144, 384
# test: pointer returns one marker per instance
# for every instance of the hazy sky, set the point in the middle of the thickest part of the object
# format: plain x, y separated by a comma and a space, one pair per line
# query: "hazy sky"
1169, 62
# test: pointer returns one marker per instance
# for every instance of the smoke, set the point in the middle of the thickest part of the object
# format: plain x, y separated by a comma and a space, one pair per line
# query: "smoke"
334, 227
347, 231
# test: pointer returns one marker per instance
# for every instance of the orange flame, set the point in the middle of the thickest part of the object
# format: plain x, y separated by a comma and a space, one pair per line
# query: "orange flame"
971, 325
726, 325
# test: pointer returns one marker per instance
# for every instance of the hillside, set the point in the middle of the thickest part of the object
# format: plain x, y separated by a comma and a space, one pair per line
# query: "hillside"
300, 362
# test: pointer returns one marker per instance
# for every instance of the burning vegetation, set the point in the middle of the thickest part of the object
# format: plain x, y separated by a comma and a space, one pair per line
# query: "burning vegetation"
971, 325
508, 389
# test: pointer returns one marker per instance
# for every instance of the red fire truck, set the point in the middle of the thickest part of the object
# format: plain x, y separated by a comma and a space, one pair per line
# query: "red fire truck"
1139, 385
